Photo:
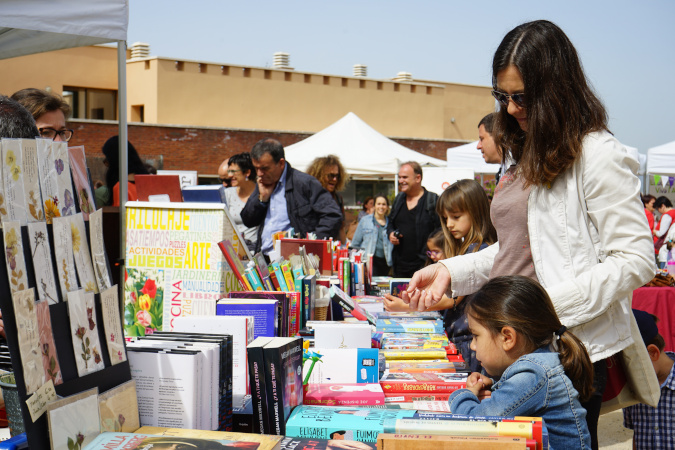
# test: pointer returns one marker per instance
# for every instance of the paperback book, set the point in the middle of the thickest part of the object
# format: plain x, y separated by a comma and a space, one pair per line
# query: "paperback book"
265, 313
344, 394
422, 382
283, 375
341, 298
410, 325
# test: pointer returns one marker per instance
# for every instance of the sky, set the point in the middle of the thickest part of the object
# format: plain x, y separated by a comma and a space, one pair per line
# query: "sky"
627, 48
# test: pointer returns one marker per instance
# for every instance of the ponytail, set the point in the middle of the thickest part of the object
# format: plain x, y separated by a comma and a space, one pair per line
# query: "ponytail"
577, 364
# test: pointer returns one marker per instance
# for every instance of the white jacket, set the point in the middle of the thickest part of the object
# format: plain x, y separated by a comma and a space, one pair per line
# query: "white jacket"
591, 246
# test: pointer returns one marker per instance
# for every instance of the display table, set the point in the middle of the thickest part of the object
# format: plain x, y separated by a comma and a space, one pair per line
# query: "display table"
659, 301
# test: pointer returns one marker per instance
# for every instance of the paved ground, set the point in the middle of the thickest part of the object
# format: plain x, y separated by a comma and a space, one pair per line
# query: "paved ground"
611, 433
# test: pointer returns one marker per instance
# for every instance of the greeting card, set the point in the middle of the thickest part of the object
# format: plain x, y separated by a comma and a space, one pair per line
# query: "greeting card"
110, 308
63, 179
12, 177
31, 181
50, 361
42, 262
78, 168
98, 250
118, 408
16, 264
28, 335
85, 270
74, 421
65, 265
48, 178
84, 331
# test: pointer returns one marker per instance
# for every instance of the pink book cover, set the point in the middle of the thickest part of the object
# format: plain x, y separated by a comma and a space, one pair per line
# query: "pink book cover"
78, 167
345, 394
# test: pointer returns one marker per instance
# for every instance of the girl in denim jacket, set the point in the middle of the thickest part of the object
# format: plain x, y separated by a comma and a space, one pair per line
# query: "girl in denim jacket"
541, 369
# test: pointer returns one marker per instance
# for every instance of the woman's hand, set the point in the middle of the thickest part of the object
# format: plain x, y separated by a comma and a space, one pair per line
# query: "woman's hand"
395, 304
427, 287
479, 385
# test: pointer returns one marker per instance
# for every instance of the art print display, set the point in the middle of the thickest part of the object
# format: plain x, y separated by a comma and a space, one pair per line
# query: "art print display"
31, 181
84, 331
65, 264
74, 421
98, 250
78, 168
50, 360
12, 177
28, 336
47, 169
16, 264
63, 179
112, 325
85, 270
118, 408
41, 254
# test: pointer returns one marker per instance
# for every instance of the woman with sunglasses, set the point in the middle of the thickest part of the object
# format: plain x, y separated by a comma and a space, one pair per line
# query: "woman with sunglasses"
568, 212
242, 177
333, 177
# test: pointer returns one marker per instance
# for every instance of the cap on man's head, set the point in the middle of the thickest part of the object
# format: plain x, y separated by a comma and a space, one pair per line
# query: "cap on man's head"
646, 324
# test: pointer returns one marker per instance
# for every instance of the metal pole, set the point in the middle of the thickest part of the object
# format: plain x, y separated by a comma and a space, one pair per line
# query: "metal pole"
123, 139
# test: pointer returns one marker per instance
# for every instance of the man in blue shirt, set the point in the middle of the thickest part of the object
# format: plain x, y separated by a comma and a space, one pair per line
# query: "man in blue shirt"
285, 198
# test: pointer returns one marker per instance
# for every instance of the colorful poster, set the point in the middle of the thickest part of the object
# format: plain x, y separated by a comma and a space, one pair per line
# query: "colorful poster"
174, 266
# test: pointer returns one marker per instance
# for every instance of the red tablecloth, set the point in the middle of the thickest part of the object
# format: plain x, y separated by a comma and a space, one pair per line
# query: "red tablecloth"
659, 301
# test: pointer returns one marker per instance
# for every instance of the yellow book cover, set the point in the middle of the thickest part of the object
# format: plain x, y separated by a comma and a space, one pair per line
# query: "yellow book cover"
267, 442
288, 276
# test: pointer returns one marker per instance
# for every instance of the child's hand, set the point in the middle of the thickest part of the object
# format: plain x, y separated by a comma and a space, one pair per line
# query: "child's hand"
479, 384
392, 303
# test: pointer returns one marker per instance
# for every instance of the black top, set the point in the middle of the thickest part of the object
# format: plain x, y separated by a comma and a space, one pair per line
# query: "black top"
405, 223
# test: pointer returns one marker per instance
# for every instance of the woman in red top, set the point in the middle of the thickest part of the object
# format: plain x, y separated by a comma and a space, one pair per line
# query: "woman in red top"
648, 200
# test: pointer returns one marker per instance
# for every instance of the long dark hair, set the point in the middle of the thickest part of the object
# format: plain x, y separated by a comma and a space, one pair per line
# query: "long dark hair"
561, 106
466, 196
111, 152
522, 303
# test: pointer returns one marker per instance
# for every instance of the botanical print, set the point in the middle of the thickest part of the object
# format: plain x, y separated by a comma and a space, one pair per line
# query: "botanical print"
48, 181
84, 330
28, 335
74, 421
78, 167
16, 264
31, 181
63, 179
144, 300
112, 325
12, 176
65, 265
50, 361
118, 408
42, 262
85, 270
98, 250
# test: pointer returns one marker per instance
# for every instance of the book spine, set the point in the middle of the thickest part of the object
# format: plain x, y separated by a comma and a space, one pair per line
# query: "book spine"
280, 277
307, 312
288, 276
275, 390
395, 397
409, 387
254, 278
256, 367
390, 441
244, 283
275, 282
295, 311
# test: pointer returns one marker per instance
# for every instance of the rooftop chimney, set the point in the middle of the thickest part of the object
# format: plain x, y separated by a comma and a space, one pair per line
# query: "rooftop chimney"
360, 70
404, 76
140, 50
282, 61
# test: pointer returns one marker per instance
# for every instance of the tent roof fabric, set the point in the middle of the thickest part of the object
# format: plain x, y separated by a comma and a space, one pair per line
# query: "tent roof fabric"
661, 159
28, 27
361, 149
467, 156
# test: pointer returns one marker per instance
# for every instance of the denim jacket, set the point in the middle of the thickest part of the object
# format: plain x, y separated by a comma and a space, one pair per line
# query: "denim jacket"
365, 237
534, 385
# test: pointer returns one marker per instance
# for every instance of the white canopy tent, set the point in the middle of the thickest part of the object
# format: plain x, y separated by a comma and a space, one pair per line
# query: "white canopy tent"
37, 26
362, 150
661, 166
467, 156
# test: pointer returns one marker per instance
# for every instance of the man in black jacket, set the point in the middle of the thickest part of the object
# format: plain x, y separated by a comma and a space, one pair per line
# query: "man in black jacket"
285, 198
413, 218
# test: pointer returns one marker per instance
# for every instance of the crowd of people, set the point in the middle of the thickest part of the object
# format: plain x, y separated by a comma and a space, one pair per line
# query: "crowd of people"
535, 287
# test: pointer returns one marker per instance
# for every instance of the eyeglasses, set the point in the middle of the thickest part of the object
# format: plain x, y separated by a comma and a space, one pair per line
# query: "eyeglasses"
503, 98
233, 171
432, 253
51, 133
333, 176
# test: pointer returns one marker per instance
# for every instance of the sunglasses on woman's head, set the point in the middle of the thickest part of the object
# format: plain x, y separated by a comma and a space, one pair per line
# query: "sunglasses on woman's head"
503, 98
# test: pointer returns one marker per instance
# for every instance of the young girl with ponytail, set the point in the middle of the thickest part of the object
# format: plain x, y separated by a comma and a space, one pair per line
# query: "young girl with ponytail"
542, 369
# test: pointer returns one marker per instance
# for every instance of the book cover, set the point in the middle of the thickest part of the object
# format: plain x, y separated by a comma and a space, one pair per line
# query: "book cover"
288, 276
283, 304
210, 193
275, 282
256, 371
348, 304
291, 443
254, 279
283, 375
264, 271
276, 267
409, 325
427, 367
151, 187
264, 312
398, 285
344, 365
389, 441
344, 422
398, 397
140, 440
308, 297
422, 382
344, 394
341, 335
235, 263
265, 442
405, 354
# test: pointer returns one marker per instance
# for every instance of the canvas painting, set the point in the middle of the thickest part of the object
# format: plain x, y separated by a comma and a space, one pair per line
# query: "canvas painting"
74, 421
84, 331
41, 254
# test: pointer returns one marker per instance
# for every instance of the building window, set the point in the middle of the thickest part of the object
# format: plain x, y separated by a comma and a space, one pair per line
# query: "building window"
379, 85
413, 88
308, 78
397, 87
287, 76
345, 82
85, 103
247, 72
137, 113
147, 65
202, 67
362, 84
225, 70
180, 65
326, 80
429, 90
